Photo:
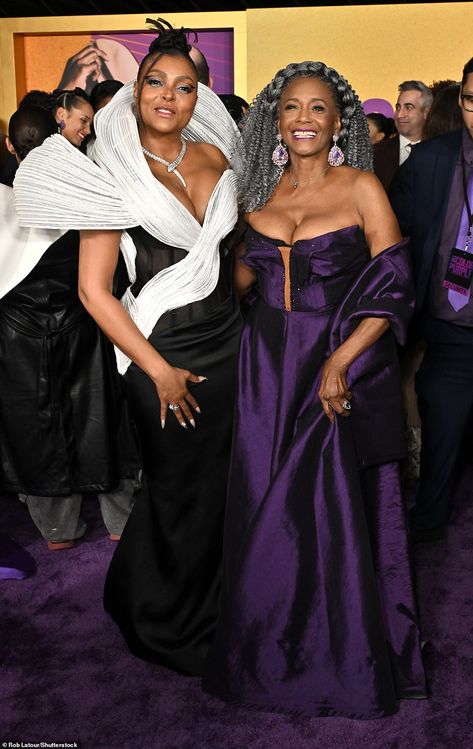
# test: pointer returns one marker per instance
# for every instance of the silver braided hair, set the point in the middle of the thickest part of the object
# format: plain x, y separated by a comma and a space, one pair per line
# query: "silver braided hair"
259, 176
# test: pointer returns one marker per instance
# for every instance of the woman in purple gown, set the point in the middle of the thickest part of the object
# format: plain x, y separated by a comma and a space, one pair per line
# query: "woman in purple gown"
318, 611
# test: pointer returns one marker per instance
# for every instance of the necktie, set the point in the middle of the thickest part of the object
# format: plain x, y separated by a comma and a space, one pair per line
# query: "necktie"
457, 300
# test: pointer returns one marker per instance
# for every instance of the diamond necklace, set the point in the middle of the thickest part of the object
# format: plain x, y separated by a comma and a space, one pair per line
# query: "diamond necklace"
171, 165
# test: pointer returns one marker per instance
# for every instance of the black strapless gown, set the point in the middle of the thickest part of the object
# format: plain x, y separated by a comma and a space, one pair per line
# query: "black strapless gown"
163, 584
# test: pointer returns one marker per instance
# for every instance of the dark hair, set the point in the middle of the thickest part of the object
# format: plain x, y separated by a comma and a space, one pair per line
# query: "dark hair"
382, 123
68, 98
103, 90
444, 115
235, 105
467, 70
28, 128
169, 41
437, 86
37, 98
202, 67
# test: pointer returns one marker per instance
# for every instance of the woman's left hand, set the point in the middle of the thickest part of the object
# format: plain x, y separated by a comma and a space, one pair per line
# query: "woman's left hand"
333, 392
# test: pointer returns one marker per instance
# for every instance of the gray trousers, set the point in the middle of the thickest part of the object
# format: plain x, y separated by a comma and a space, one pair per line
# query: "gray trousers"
58, 518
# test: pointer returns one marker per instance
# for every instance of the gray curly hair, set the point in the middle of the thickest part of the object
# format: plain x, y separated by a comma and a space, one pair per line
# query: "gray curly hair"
259, 176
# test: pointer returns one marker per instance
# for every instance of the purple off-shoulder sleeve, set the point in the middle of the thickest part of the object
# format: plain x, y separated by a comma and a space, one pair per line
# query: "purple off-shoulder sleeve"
383, 289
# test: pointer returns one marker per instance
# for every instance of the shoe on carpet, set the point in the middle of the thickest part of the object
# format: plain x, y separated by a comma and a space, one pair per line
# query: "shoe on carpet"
60, 545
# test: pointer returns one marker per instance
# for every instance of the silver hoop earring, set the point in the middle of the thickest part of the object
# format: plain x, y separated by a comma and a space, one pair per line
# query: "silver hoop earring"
335, 155
280, 156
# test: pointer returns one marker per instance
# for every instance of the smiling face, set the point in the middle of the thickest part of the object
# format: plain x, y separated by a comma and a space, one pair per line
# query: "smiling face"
410, 115
78, 120
308, 116
166, 94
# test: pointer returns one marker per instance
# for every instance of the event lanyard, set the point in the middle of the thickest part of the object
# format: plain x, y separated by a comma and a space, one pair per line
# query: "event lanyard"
467, 205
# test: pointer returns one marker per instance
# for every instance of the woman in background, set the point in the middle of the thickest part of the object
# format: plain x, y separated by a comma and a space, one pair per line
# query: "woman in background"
104, 92
444, 114
60, 401
380, 127
74, 114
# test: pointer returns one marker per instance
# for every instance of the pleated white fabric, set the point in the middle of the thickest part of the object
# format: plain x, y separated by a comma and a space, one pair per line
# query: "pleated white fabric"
21, 249
58, 187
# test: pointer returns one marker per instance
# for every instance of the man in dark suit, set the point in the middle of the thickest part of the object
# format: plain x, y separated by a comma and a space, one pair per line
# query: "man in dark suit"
412, 106
433, 200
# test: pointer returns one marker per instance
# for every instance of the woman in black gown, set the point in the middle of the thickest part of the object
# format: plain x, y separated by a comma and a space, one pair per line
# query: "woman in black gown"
163, 584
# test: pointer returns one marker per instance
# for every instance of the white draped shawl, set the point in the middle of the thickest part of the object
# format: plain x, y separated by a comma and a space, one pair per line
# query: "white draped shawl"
56, 186
20, 249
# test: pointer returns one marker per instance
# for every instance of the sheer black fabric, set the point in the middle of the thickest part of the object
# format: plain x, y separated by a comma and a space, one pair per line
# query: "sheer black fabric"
163, 584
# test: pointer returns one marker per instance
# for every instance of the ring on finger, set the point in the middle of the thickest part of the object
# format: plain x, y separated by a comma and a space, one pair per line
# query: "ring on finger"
173, 406
346, 405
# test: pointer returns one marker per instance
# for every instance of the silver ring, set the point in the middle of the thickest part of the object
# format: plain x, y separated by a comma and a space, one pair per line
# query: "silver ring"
346, 405
173, 406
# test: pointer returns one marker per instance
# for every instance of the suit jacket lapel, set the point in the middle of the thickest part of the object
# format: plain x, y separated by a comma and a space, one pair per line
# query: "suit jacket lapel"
439, 171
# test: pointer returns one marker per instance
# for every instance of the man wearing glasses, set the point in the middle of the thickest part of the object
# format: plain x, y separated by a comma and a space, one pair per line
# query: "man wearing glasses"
433, 200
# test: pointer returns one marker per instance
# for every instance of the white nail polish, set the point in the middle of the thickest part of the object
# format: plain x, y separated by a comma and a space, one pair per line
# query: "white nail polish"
163, 422
183, 424
202, 378
192, 422
198, 410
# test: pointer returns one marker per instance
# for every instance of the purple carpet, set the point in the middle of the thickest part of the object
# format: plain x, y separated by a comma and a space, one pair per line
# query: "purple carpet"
65, 674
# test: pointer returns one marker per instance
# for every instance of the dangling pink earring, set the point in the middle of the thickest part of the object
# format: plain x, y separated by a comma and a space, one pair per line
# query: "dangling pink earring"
335, 155
280, 156
61, 125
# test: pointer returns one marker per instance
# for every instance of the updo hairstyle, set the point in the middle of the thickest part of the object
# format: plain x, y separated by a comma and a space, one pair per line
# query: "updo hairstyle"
170, 41
69, 98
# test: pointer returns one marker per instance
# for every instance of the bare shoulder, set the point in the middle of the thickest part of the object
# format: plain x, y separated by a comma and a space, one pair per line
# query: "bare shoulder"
376, 215
210, 154
363, 180
365, 188
367, 183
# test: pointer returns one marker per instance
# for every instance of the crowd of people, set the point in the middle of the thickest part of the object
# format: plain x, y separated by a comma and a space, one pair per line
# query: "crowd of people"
201, 322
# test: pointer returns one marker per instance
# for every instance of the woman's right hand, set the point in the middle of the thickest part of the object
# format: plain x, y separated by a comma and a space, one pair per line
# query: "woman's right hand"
171, 385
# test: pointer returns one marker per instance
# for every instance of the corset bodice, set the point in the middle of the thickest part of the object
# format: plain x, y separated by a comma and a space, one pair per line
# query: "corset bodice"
321, 269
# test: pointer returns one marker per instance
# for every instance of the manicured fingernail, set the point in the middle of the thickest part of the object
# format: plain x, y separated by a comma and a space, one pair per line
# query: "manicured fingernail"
198, 410
183, 424
202, 378
163, 422
192, 422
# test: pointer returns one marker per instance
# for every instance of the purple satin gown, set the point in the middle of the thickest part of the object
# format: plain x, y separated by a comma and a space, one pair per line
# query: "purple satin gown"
318, 611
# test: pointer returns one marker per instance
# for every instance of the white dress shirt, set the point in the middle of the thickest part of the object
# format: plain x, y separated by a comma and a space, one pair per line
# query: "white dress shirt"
405, 148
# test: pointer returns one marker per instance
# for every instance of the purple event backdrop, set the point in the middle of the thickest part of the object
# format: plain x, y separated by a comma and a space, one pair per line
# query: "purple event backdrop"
216, 45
